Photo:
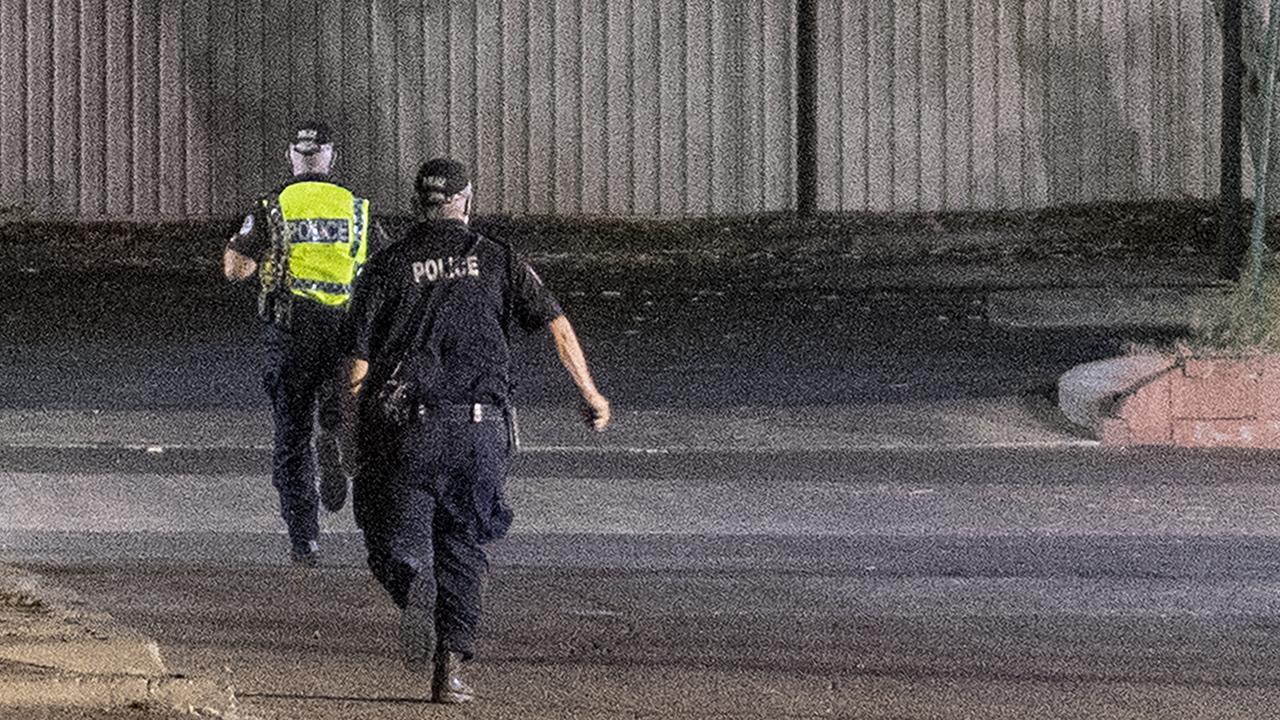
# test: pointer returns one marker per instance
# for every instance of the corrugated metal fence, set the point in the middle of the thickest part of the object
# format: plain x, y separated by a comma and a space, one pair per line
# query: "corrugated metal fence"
964, 104
161, 109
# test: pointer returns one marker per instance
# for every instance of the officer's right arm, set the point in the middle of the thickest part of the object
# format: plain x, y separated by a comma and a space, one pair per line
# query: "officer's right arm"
349, 437
357, 338
357, 371
236, 265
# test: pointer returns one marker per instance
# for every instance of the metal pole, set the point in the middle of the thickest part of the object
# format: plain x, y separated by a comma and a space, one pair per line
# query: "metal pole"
1258, 234
1230, 245
806, 107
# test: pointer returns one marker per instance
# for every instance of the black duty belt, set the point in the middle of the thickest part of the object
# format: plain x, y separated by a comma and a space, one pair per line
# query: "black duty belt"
471, 412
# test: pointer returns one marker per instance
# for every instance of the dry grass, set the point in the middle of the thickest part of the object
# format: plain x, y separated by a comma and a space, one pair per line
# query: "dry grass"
1248, 322
1167, 228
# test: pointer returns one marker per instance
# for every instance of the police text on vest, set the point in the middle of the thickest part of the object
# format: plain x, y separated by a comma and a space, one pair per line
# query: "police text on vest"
445, 268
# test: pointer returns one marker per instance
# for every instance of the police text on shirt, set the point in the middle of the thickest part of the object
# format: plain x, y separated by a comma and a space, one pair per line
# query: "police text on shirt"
446, 268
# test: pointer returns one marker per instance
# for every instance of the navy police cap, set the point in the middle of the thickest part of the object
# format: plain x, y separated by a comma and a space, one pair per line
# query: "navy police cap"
309, 136
440, 179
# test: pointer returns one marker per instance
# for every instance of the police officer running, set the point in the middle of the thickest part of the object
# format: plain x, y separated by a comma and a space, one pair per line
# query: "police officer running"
307, 243
430, 385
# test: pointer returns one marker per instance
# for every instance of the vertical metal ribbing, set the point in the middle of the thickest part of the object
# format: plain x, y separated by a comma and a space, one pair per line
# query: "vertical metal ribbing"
474, 160
683, 105
840, 105
973, 124
763, 74
426, 141
76, 122
713, 199
262, 39
631, 103
789, 72
98, 174
944, 54
184, 110
1020, 40
580, 192
448, 39
657, 78
806, 109
1126, 91
1178, 55
1045, 94
132, 163
528, 132
866, 114
52, 60
500, 175
555, 103
995, 96
1159, 121
893, 111
606, 132
1209, 29
919, 53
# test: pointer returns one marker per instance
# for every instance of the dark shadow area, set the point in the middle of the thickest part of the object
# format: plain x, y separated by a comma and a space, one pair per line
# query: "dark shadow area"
132, 339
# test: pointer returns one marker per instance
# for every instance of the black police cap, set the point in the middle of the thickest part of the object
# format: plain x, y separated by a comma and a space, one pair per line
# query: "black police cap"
309, 136
440, 179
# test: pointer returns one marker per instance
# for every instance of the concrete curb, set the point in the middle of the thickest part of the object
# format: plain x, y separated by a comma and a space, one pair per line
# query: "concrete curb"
55, 652
1087, 392
64, 690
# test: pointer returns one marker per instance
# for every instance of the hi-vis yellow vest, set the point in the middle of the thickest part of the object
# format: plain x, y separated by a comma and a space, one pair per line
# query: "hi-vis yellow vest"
319, 239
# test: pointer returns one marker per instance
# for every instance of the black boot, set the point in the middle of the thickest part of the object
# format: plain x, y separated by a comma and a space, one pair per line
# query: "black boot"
305, 555
447, 686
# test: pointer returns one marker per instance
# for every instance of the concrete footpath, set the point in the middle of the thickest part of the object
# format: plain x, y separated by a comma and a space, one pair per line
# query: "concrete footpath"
1030, 421
54, 653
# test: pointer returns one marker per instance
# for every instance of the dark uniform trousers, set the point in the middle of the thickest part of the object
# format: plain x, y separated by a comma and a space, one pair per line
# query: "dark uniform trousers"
301, 376
428, 499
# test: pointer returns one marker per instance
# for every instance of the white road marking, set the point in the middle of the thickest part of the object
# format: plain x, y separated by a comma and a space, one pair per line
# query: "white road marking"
588, 612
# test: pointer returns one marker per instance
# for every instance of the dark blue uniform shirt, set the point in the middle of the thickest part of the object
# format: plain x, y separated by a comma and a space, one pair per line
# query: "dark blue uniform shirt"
445, 298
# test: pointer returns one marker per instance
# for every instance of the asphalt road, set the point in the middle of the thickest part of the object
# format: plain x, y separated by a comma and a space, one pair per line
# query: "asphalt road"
1072, 583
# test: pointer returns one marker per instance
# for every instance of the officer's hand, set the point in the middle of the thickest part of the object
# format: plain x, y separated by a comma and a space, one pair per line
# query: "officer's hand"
595, 411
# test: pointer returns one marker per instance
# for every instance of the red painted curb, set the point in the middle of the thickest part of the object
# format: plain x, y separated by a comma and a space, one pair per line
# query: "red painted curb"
1202, 402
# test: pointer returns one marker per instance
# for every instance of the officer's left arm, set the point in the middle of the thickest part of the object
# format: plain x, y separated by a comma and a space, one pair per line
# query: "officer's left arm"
597, 411
535, 307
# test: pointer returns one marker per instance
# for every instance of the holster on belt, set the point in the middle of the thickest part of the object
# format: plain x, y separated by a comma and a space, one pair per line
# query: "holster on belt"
513, 429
